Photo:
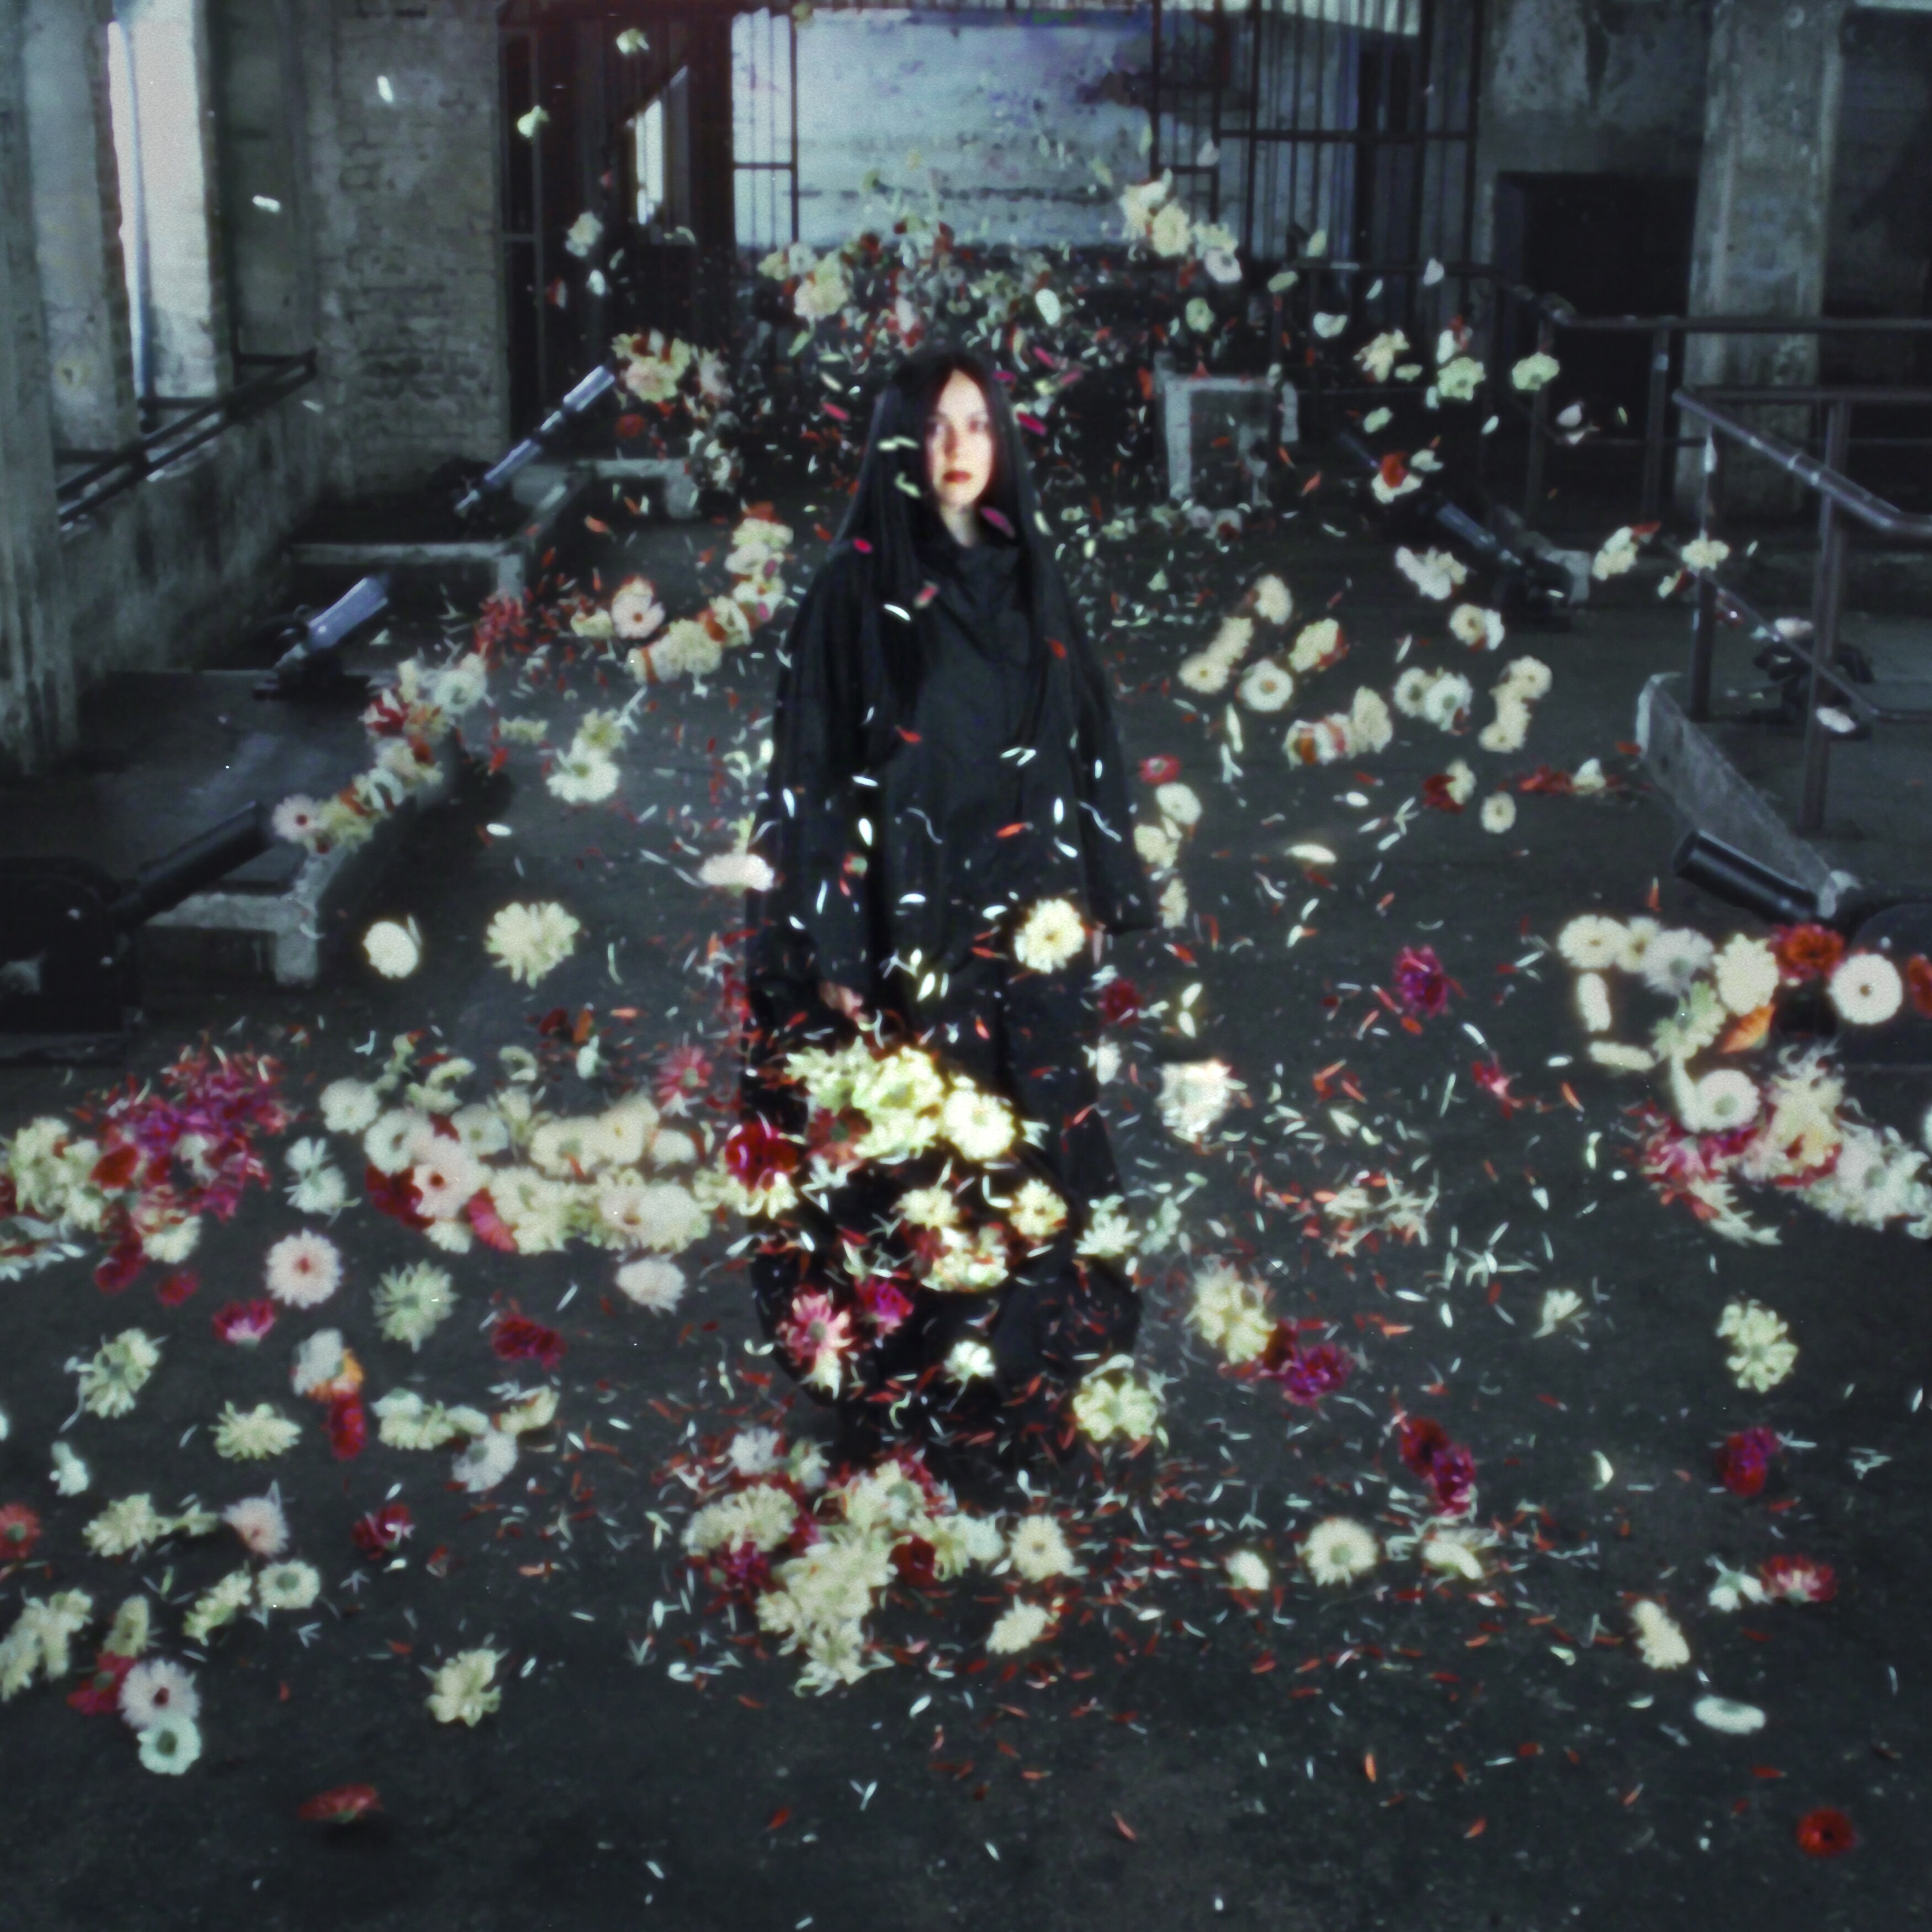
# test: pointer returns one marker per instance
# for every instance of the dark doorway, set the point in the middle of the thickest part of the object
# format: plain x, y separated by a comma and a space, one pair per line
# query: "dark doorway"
1609, 244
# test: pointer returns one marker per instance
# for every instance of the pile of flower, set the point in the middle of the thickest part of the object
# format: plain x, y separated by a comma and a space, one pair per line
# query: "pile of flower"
518, 1176
1723, 1122
694, 646
670, 376
812, 1557
1268, 685
405, 723
1159, 844
155, 1164
1230, 1313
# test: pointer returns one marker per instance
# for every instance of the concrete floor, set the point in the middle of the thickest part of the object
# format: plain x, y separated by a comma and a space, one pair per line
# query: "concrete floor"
1463, 1757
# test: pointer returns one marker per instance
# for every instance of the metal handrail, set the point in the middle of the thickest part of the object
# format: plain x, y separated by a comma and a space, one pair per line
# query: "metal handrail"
1838, 498
108, 474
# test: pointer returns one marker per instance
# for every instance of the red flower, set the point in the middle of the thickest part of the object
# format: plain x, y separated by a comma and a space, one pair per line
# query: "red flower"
342, 1806
1806, 951
885, 1303
1435, 793
1394, 470
395, 1194
120, 1267
1744, 1460
1120, 1002
348, 1427
489, 1224
19, 1531
1825, 1832
835, 1137
1489, 1076
1546, 778
683, 1075
1798, 1580
243, 1323
1447, 1467
381, 1531
100, 1696
914, 1559
517, 1339
1422, 982
1163, 769
178, 1286
1918, 982
754, 1150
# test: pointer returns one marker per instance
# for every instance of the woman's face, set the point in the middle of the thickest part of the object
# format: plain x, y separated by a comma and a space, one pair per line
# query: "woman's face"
959, 444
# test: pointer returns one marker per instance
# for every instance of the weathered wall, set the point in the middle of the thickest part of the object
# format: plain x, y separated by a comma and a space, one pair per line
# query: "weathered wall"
408, 267
976, 100
1589, 87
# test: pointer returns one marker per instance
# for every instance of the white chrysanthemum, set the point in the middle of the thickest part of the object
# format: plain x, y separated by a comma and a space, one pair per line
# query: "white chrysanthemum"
934, 1207
1019, 1625
527, 941
1704, 552
755, 1452
1370, 727
1435, 573
1866, 988
1764, 1355
253, 1435
1247, 1570
321, 1190
1205, 673
126, 1526
220, 1604
1498, 812
1618, 555
1274, 604
288, 1586
1106, 1405
260, 1523
1230, 1313
1659, 1640
1455, 1550
394, 947
117, 1371
1673, 959
582, 776
667, 1217
1411, 690
1173, 907
171, 1243
737, 871
1179, 802
1747, 975
1266, 687
389, 1142
1339, 1549
303, 1270
1728, 1714
652, 1282
1314, 644
635, 612
980, 1125
446, 1178
1533, 371
1109, 1231
1592, 942
1593, 1002
70, 1475
490, 1456
298, 819
1479, 628
1560, 1306
1721, 1102
1194, 1095
158, 1688
1051, 933
318, 1359
762, 1516
170, 1745
412, 1302
1529, 678
1159, 848
1038, 1550
970, 1360
461, 1692
1038, 1213
1506, 731
350, 1106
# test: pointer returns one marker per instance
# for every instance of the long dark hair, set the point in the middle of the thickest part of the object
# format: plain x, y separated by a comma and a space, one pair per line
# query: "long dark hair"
893, 519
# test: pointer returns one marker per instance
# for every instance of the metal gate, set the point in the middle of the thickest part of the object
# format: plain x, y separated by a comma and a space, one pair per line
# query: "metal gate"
1357, 118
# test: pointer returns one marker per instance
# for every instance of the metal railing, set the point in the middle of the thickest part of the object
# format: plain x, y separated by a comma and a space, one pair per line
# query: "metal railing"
1839, 499
103, 474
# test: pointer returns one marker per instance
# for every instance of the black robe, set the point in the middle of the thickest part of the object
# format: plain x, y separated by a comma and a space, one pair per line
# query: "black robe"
906, 849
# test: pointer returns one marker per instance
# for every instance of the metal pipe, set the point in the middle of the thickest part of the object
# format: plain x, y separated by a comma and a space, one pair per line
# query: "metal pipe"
178, 874
1656, 403
1704, 628
1827, 590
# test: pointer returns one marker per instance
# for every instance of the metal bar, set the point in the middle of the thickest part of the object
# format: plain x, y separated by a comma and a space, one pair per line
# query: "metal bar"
1532, 483
791, 38
1214, 110
1476, 45
1852, 497
1154, 97
1656, 403
1704, 628
1254, 29
1827, 590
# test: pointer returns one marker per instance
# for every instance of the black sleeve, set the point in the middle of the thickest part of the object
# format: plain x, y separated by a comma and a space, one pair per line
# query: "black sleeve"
1117, 890
812, 922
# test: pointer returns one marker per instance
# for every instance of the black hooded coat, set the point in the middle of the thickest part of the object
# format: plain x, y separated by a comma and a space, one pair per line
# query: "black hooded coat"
907, 842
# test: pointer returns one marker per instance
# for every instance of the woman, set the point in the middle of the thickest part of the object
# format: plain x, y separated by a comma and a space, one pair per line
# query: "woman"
944, 764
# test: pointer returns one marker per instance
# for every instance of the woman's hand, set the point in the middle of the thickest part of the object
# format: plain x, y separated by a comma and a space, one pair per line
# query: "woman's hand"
841, 999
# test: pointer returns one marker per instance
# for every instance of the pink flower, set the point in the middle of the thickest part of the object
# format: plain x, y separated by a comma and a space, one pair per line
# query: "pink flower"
243, 1323
1744, 1460
1421, 982
818, 1333
683, 1075
1798, 1580
886, 1303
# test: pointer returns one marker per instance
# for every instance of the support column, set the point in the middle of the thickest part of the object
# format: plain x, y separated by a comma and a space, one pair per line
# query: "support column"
37, 688
713, 185
1774, 83
77, 222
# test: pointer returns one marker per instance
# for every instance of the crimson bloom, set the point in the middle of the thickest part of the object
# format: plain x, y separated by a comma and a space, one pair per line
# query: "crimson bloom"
395, 1195
1120, 1002
1436, 794
1798, 1580
753, 1151
381, 1531
517, 1339
1744, 1460
1825, 1832
1306, 1375
342, 1806
1918, 983
1807, 952
1447, 1467
178, 1287
1422, 981
1162, 769
100, 1696
19, 1531
244, 1323
348, 1426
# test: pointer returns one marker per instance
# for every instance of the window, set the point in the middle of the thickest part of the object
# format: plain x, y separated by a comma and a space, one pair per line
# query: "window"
128, 166
648, 130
